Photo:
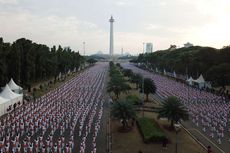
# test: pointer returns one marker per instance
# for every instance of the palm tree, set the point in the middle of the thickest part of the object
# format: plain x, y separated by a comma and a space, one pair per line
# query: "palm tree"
117, 85
124, 111
136, 78
173, 110
149, 87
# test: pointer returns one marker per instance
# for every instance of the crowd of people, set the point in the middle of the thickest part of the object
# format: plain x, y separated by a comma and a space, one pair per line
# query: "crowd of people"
208, 111
67, 119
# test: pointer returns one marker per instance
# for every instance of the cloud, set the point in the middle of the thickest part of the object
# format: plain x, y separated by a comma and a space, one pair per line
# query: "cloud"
162, 22
51, 30
8, 2
151, 26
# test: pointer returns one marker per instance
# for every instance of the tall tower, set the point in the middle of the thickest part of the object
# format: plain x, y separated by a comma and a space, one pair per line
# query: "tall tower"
111, 20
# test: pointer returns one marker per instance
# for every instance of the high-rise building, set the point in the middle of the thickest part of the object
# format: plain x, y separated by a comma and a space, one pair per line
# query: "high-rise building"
111, 20
149, 48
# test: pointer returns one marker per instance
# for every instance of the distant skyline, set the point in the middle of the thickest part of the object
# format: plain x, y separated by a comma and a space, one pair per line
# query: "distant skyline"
72, 22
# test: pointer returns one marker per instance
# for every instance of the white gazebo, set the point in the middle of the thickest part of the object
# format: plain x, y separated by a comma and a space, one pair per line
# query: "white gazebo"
14, 87
174, 74
3, 105
200, 81
190, 81
59, 75
165, 72
12, 98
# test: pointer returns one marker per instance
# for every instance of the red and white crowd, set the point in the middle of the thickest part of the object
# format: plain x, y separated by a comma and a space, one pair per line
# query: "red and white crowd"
207, 111
66, 119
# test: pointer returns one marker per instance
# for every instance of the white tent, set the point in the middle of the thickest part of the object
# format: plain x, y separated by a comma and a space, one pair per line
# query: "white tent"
59, 76
190, 81
3, 105
174, 74
14, 87
7, 93
165, 72
200, 81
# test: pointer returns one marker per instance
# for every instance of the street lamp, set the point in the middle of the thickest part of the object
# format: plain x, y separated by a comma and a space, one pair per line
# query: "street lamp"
84, 48
177, 127
84, 52
143, 97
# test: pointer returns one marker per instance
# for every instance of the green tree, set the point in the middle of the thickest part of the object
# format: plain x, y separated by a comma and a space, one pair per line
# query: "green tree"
124, 111
149, 87
173, 110
136, 78
117, 85
220, 74
26, 61
91, 61
128, 72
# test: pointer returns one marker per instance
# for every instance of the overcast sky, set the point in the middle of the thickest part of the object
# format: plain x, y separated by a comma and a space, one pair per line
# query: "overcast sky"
72, 22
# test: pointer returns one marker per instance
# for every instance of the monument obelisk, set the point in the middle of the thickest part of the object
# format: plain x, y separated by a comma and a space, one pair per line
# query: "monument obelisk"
111, 20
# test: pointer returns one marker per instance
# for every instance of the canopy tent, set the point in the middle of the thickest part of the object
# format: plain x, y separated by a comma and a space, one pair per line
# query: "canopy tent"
59, 76
156, 70
3, 105
14, 87
190, 81
165, 72
200, 81
12, 97
174, 74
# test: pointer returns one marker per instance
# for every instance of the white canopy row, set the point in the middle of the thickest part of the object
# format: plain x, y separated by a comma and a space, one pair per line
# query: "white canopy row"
9, 96
200, 81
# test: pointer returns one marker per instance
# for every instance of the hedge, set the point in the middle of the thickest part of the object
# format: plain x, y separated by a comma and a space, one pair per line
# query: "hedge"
150, 130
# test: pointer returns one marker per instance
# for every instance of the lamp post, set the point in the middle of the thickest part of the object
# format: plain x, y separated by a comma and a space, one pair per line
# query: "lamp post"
84, 48
177, 127
143, 97
142, 86
84, 52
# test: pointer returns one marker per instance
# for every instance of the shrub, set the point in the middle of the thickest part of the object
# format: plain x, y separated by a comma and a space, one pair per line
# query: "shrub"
133, 99
150, 130
41, 87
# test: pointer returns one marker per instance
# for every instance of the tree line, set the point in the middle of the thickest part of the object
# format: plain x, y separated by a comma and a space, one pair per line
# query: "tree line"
26, 61
213, 63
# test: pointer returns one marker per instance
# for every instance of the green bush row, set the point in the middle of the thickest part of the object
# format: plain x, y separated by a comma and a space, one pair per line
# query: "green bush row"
150, 130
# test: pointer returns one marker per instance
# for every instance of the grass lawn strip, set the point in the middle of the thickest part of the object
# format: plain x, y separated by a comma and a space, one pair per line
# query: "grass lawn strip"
150, 130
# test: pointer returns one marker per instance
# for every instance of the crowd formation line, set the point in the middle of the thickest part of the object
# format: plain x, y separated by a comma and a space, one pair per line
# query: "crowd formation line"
207, 111
67, 119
